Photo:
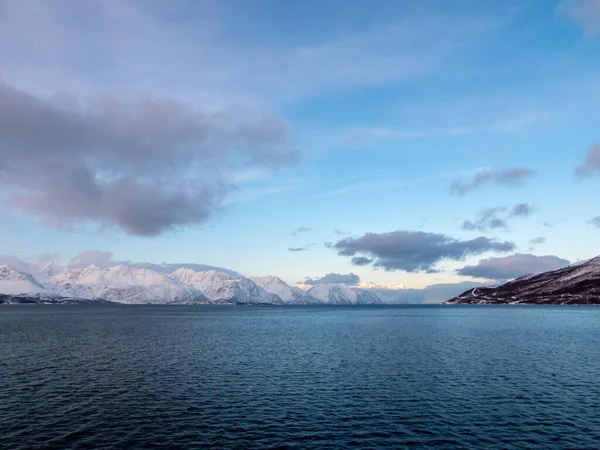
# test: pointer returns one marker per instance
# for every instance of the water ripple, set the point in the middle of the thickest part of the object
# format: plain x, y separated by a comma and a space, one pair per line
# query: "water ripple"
250, 377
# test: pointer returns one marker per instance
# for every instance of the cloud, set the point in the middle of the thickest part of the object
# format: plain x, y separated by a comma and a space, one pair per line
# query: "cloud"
209, 56
89, 257
522, 210
304, 248
143, 167
104, 259
591, 165
513, 266
414, 251
301, 230
595, 222
371, 285
361, 261
584, 12
537, 241
487, 220
339, 232
507, 177
508, 124
497, 218
349, 279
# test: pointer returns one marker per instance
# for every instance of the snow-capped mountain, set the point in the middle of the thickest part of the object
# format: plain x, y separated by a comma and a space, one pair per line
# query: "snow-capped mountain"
342, 294
124, 284
220, 287
575, 284
290, 295
14, 282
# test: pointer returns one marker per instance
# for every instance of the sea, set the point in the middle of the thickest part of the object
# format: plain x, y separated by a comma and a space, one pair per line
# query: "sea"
187, 377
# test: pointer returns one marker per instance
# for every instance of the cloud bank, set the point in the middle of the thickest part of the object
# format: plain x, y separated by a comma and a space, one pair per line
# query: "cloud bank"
143, 167
513, 266
414, 251
349, 279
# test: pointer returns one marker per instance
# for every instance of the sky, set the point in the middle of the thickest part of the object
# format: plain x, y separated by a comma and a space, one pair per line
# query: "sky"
392, 143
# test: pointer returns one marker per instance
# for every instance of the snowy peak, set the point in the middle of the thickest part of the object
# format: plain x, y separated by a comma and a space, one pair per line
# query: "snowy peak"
290, 295
124, 284
114, 275
15, 282
342, 294
7, 273
133, 285
190, 276
220, 287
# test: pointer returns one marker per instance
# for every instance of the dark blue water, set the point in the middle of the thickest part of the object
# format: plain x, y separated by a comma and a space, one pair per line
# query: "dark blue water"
259, 377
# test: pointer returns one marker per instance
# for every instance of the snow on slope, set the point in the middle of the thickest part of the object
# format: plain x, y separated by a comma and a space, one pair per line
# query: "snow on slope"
290, 295
575, 284
14, 282
220, 287
124, 284
342, 294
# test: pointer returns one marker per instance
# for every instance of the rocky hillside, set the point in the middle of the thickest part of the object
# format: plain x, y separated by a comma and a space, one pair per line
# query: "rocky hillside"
577, 284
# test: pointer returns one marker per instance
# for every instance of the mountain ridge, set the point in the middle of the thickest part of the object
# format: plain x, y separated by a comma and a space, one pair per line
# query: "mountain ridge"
127, 284
578, 283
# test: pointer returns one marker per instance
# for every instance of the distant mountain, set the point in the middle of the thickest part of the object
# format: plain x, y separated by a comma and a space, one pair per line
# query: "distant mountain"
290, 295
342, 294
572, 285
15, 282
124, 284
220, 287
130, 285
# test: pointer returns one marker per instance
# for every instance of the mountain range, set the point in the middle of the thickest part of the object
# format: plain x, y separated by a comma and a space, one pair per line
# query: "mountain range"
134, 285
575, 284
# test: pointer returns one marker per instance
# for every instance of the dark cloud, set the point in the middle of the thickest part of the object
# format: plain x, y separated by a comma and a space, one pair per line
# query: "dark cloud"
537, 241
486, 220
591, 165
508, 177
595, 222
585, 12
513, 266
414, 251
143, 167
301, 230
361, 261
349, 279
522, 210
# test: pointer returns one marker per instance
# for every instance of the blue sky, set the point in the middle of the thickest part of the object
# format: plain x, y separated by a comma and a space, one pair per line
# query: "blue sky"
382, 105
